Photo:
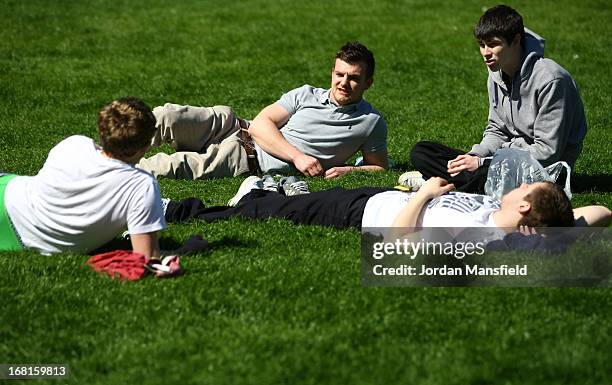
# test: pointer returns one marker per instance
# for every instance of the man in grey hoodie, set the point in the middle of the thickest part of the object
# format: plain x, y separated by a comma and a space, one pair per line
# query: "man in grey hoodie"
534, 105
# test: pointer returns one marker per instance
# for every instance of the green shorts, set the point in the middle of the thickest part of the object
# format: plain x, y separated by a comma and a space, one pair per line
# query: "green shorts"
8, 238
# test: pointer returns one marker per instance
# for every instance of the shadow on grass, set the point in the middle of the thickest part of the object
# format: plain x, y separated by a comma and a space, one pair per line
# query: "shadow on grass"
232, 242
126, 244
191, 246
404, 166
115, 244
591, 183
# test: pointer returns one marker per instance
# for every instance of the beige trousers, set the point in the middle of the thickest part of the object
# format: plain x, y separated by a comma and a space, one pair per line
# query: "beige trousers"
204, 139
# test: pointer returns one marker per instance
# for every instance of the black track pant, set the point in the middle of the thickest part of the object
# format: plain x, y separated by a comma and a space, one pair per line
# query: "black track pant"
336, 207
431, 159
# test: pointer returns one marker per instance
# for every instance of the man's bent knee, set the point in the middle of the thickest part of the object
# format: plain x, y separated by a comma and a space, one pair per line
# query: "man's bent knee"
420, 150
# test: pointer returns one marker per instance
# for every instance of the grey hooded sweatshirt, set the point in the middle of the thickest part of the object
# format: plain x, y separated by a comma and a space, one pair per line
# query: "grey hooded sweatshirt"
542, 112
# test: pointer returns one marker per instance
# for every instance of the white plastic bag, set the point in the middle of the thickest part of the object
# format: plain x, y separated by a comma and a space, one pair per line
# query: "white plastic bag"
511, 167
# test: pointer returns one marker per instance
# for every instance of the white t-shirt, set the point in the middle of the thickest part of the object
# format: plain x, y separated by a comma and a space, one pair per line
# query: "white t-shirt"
82, 199
454, 209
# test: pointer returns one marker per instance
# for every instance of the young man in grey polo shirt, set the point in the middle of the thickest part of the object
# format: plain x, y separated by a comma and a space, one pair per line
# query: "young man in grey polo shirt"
312, 130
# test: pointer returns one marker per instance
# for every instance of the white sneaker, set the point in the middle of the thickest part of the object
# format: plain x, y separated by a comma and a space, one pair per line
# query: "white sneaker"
251, 183
293, 186
269, 184
165, 203
411, 179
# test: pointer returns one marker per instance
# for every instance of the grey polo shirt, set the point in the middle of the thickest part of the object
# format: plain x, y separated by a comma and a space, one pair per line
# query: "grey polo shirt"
330, 133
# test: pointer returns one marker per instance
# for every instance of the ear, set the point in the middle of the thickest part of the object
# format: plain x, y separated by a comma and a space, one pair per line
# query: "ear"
139, 154
369, 82
517, 40
524, 208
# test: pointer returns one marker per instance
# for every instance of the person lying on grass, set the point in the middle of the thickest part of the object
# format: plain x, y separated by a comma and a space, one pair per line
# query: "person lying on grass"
86, 194
537, 205
310, 131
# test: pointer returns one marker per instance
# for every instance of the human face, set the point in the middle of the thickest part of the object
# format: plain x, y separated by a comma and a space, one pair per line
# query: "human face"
348, 82
517, 196
499, 55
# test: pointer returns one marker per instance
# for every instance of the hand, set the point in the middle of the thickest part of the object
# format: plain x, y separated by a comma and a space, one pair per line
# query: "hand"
526, 230
308, 165
336, 172
170, 266
434, 187
463, 163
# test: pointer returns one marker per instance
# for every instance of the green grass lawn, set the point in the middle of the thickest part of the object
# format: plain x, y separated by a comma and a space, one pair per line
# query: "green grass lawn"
273, 302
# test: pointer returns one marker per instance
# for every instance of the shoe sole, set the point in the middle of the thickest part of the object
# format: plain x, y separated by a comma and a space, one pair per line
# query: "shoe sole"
242, 190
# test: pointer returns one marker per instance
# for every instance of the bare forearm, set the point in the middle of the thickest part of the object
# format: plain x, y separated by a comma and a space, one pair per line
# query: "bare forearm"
365, 167
377, 161
409, 215
370, 167
146, 244
269, 138
265, 130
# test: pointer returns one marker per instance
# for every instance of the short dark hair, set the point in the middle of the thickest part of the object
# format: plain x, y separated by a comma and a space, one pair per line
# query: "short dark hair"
355, 52
550, 207
500, 21
126, 126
